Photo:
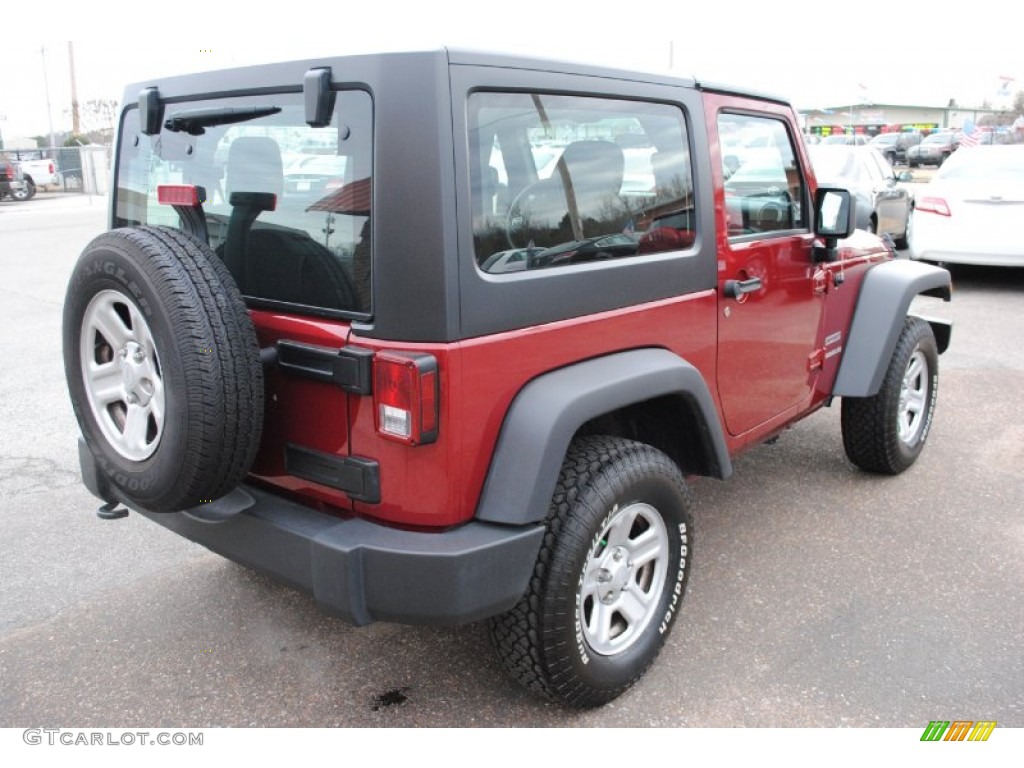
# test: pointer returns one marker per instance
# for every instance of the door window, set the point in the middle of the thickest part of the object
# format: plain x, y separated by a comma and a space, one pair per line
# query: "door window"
765, 190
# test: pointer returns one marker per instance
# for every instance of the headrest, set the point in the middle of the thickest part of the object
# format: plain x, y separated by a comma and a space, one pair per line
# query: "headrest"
254, 165
594, 166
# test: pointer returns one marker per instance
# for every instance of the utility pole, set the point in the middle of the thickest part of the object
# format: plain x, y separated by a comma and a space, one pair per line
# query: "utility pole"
46, 86
75, 122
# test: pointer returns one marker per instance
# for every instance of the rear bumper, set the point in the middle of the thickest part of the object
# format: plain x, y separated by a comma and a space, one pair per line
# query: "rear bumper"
356, 569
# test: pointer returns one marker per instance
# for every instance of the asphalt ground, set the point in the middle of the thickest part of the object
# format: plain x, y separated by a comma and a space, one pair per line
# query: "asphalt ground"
820, 596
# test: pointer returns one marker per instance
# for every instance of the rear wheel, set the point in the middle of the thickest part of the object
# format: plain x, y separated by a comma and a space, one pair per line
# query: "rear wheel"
609, 578
25, 193
886, 433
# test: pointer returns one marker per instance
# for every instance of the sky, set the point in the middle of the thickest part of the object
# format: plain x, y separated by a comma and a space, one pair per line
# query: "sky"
817, 54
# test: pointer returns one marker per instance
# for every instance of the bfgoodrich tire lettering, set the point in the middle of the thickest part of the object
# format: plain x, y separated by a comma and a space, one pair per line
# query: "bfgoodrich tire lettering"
163, 368
887, 432
610, 576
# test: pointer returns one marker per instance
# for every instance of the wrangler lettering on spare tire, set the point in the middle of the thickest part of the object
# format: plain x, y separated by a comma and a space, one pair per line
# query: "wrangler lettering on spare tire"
163, 368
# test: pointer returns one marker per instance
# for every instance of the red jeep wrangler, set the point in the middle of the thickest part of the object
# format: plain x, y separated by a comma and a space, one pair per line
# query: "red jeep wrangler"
439, 337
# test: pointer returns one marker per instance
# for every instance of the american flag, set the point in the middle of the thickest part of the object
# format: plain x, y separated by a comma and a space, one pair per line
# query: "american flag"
970, 135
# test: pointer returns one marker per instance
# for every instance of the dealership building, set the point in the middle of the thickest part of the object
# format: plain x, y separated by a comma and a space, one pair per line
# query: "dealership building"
872, 119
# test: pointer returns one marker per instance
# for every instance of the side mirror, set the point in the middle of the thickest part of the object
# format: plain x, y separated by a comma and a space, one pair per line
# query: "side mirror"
834, 216
833, 213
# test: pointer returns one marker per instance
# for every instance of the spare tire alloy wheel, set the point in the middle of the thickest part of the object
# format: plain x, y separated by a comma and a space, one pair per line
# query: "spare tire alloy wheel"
163, 369
121, 372
610, 575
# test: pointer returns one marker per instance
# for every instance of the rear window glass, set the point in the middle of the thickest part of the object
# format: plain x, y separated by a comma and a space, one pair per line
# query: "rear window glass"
287, 206
561, 180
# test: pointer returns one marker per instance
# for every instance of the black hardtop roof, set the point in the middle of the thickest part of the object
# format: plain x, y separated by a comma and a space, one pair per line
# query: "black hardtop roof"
289, 73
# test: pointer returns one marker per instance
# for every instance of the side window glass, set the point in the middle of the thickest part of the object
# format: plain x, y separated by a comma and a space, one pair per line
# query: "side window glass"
765, 190
563, 180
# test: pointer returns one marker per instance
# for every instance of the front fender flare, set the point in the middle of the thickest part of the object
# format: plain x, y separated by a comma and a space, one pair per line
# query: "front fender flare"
550, 409
884, 300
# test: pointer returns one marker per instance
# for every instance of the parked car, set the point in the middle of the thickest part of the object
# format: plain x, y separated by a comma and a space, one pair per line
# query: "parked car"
894, 146
970, 211
512, 260
883, 206
852, 139
934, 149
314, 175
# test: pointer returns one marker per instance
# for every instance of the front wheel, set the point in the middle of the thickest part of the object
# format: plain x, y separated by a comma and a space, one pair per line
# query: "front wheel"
885, 433
609, 578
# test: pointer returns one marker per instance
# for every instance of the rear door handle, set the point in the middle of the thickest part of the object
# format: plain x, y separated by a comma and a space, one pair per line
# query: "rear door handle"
736, 288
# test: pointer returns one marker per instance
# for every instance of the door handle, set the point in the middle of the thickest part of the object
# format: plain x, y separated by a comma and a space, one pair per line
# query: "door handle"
734, 289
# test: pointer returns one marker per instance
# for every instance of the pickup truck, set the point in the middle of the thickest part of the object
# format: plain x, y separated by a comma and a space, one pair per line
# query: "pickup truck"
332, 372
12, 182
38, 171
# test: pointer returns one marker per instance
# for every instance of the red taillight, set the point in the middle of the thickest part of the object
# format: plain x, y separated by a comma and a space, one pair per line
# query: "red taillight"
932, 205
178, 194
52, 169
406, 396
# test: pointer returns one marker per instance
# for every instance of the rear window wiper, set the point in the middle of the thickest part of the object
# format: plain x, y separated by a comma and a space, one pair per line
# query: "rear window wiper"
195, 121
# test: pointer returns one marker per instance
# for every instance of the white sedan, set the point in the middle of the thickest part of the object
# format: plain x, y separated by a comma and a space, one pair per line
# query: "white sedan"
970, 212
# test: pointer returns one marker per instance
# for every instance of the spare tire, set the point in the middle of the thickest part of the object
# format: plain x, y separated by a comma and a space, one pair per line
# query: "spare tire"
163, 368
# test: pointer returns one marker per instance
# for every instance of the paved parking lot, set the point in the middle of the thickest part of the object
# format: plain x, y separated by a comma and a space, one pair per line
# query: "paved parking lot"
820, 596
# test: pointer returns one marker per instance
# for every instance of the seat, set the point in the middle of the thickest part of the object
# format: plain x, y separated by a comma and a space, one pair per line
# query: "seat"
254, 180
274, 262
580, 200
595, 169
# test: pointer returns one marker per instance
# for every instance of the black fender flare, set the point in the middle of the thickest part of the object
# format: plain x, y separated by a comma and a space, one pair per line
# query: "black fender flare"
550, 409
883, 303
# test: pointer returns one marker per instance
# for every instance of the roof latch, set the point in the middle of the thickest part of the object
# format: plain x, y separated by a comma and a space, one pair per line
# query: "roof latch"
151, 111
316, 88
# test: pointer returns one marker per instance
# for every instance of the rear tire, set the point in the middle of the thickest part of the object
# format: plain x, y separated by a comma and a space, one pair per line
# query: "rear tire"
162, 367
887, 432
609, 578
24, 194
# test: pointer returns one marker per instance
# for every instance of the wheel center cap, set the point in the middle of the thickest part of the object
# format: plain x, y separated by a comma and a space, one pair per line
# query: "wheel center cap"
135, 376
615, 572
